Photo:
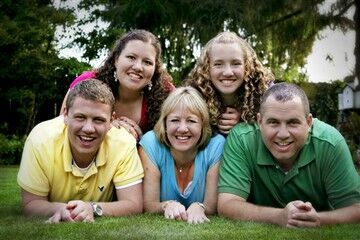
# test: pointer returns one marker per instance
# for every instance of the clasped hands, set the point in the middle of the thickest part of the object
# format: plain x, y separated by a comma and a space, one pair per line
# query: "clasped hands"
73, 211
194, 214
300, 214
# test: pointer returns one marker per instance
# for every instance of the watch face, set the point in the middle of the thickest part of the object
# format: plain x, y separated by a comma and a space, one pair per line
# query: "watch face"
97, 210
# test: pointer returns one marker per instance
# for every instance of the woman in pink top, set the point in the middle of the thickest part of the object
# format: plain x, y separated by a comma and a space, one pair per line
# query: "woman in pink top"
134, 72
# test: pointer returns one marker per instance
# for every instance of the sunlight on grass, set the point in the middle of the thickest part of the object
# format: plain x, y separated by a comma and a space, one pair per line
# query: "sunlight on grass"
145, 226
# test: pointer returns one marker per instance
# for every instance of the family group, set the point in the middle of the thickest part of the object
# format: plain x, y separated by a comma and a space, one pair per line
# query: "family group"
228, 141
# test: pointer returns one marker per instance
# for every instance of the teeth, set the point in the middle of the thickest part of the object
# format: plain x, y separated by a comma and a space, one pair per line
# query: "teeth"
227, 81
84, 138
283, 143
182, 138
133, 75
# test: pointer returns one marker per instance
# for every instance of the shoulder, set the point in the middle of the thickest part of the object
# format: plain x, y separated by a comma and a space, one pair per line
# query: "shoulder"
119, 137
84, 76
48, 131
322, 132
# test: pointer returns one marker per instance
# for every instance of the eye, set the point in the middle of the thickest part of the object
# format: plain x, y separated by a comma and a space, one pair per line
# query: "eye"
99, 120
237, 63
130, 57
79, 117
217, 64
148, 63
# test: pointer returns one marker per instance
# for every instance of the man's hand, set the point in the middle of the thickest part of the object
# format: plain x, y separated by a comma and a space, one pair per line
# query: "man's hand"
63, 214
81, 211
300, 214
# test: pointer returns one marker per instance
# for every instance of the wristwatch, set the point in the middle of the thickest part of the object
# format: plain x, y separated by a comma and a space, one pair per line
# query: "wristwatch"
97, 209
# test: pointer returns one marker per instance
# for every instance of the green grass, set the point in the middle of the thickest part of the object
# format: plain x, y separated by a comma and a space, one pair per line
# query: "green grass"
145, 226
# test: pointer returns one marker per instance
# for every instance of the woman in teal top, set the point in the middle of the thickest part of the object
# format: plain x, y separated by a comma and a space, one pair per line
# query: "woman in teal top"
181, 159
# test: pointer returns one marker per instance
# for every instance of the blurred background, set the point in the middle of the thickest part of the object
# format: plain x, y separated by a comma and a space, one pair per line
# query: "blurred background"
45, 44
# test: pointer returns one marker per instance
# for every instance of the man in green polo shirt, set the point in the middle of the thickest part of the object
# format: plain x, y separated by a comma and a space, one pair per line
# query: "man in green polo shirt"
288, 169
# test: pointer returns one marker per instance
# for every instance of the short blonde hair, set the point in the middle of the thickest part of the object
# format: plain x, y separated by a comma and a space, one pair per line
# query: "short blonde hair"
189, 98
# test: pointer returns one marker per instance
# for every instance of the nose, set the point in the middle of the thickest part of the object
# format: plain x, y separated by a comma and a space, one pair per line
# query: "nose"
137, 65
283, 132
228, 70
182, 127
88, 127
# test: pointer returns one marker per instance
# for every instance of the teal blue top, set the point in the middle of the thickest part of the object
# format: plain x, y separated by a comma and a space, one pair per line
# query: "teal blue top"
161, 157
324, 173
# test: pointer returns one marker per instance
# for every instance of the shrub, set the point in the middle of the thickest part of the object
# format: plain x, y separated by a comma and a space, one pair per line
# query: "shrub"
11, 149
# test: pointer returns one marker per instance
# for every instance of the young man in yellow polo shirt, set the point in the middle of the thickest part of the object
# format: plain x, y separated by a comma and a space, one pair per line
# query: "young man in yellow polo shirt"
72, 165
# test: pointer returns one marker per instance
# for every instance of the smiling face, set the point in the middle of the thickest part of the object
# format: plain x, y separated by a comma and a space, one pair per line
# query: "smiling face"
87, 123
226, 67
284, 127
183, 130
136, 65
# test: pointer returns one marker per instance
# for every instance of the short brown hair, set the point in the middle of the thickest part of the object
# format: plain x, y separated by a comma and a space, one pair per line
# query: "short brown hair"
91, 89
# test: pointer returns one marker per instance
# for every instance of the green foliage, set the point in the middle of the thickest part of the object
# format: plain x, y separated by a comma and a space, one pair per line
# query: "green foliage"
33, 79
144, 226
282, 32
323, 99
11, 149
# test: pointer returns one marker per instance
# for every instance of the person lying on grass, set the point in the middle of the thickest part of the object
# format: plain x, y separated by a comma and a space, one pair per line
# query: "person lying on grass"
72, 165
181, 159
289, 169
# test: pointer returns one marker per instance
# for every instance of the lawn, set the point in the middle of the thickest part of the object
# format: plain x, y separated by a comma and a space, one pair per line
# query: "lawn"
145, 226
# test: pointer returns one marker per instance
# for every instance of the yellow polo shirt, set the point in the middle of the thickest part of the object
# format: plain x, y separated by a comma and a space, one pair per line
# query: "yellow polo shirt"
46, 165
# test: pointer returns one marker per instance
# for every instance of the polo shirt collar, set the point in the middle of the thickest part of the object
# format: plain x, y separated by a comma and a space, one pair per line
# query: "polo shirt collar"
101, 156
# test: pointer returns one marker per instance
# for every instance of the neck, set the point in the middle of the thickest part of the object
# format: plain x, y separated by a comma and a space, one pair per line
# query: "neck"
83, 161
183, 159
128, 95
228, 99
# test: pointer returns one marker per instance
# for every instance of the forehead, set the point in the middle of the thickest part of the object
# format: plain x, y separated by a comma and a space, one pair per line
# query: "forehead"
89, 107
181, 109
226, 50
140, 47
279, 109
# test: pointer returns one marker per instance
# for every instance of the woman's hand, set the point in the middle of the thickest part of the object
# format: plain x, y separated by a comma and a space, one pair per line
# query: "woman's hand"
174, 210
196, 214
228, 120
129, 125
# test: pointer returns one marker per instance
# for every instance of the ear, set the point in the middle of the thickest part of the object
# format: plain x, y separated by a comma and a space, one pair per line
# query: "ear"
309, 120
112, 116
258, 118
66, 117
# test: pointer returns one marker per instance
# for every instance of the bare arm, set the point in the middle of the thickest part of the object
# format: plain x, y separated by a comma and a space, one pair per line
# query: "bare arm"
235, 207
171, 209
63, 105
350, 214
210, 199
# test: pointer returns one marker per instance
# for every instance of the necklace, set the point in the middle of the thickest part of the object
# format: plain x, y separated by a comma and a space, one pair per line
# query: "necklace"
182, 168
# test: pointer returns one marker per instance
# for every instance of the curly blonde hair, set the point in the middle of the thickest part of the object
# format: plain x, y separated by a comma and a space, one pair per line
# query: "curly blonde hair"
256, 80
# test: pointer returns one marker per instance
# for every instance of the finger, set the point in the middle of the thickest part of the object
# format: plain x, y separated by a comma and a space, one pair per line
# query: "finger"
184, 216
302, 224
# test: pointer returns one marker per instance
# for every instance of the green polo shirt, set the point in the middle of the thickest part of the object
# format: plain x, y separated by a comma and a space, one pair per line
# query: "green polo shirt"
323, 174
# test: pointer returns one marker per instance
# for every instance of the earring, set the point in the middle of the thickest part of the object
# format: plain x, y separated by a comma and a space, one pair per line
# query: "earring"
149, 86
115, 76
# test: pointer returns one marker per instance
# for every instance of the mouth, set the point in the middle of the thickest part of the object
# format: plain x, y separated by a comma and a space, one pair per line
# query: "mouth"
86, 140
227, 81
283, 145
134, 76
182, 138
